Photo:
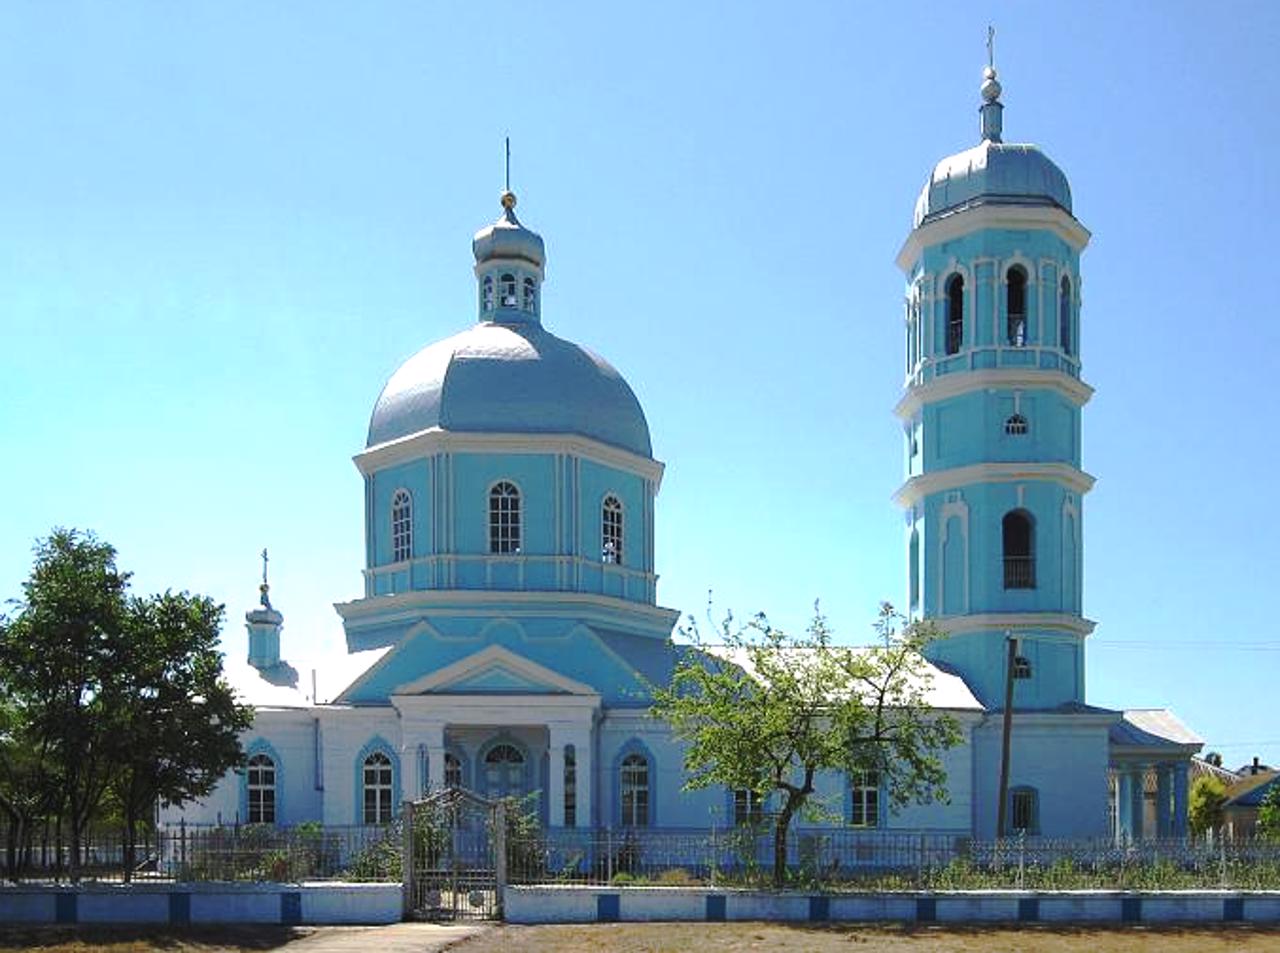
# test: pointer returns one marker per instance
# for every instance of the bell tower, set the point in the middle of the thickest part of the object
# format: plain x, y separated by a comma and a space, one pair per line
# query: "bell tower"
991, 410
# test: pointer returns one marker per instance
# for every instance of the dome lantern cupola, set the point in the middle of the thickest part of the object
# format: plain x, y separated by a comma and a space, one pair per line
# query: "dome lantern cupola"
509, 268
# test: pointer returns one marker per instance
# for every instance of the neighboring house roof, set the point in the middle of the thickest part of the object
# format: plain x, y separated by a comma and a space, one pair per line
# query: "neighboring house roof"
1152, 728
1251, 791
1202, 768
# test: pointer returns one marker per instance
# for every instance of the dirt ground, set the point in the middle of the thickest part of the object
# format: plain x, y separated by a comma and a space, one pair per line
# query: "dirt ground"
742, 937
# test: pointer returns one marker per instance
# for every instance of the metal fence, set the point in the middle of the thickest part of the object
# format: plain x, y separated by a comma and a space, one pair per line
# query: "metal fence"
868, 860
245, 852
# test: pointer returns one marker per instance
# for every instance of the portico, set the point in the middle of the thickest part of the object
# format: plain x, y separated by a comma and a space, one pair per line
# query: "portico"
1150, 766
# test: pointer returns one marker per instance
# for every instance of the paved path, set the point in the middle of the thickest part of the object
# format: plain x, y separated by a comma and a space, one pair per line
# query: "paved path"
396, 938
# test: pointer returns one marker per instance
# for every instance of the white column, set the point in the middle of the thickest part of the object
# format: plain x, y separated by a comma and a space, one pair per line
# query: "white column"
584, 774
555, 780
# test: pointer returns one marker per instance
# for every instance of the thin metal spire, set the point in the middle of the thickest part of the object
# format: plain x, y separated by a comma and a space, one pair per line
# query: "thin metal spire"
508, 186
991, 46
264, 588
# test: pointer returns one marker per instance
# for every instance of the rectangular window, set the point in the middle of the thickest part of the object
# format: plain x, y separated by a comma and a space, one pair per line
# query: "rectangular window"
864, 790
748, 807
1023, 813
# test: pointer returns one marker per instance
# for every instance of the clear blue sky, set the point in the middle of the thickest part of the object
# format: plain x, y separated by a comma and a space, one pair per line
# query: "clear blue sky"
225, 224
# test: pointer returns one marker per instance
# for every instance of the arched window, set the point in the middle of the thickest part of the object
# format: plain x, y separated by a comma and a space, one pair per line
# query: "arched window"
1016, 310
486, 293
377, 789
864, 799
507, 290
452, 770
748, 807
504, 518
401, 526
633, 789
261, 784
1016, 425
504, 771
530, 296
611, 530
955, 314
1024, 810
1064, 315
1019, 550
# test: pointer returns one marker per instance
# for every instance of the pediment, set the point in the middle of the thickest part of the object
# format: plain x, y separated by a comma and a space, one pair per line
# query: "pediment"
494, 671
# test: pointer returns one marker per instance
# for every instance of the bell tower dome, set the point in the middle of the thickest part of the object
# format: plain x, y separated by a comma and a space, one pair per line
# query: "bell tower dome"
991, 411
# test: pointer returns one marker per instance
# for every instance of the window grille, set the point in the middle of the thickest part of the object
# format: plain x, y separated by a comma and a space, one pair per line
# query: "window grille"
1022, 814
401, 526
530, 296
1018, 535
1016, 426
611, 533
635, 791
486, 293
452, 771
864, 790
377, 789
261, 783
504, 519
507, 289
748, 807
1021, 666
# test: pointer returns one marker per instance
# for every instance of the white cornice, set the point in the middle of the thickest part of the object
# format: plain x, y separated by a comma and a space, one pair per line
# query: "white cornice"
438, 440
1000, 378
926, 484
524, 604
1063, 622
988, 216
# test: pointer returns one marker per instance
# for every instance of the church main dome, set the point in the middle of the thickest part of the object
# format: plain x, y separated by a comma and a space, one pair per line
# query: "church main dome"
993, 171
510, 378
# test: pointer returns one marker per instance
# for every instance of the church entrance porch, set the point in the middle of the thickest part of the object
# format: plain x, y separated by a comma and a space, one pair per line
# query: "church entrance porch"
1150, 755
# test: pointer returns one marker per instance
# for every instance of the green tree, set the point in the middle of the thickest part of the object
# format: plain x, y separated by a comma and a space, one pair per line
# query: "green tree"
1204, 810
57, 656
1269, 814
177, 721
769, 711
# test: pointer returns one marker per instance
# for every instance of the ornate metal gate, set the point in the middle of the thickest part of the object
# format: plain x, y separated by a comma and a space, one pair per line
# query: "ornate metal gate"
454, 857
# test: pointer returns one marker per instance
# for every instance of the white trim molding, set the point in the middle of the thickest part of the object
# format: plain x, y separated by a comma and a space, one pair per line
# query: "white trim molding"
495, 656
1046, 622
926, 484
991, 215
438, 440
995, 378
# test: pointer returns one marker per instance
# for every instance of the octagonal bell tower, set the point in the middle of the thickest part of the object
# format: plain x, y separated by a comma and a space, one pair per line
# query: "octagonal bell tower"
991, 413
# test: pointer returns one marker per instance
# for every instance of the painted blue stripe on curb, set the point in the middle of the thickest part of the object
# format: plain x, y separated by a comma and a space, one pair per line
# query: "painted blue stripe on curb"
1028, 909
65, 908
290, 908
716, 907
608, 907
1131, 910
179, 908
926, 909
1233, 910
819, 909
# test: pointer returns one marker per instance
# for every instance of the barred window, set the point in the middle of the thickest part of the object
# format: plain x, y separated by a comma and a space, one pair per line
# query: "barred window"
377, 789
1018, 534
635, 791
486, 293
504, 518
452, 771
1023, 810
611, 532
261, 783
530, 296
507, 290
864, 800
401, 526
1016, 425
748, 807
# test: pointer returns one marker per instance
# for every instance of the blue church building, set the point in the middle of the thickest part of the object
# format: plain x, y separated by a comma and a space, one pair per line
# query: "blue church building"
509, 622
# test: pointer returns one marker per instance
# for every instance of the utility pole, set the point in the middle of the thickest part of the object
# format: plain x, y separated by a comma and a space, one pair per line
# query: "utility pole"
1003, 806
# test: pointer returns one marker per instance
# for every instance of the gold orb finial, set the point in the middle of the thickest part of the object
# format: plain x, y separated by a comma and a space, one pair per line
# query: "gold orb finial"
508, 200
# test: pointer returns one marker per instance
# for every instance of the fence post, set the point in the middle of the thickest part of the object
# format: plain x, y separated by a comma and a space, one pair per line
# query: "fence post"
608, 855
182, 848
499, 855
406, 857
1022, 855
